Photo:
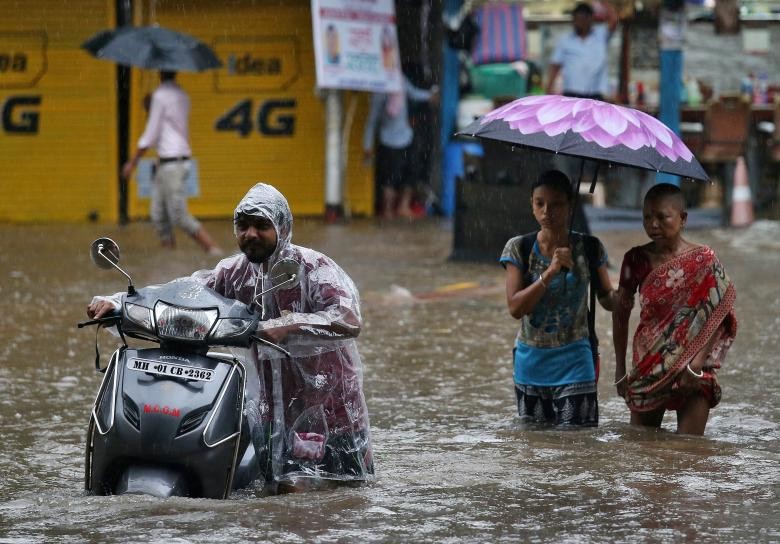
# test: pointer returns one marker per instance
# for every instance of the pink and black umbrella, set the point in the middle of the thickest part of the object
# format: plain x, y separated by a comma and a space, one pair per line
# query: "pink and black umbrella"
590, 129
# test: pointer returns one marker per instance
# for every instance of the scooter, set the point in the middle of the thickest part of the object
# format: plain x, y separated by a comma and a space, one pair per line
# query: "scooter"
170, 420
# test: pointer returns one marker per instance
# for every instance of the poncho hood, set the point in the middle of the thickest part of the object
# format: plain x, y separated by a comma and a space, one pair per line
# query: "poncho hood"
264, 200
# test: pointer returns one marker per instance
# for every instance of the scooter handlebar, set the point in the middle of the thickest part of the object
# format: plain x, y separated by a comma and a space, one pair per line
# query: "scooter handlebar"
111, 319
270, 344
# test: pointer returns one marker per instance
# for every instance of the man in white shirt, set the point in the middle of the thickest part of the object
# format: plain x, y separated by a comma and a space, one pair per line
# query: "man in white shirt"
582, 55
167, 130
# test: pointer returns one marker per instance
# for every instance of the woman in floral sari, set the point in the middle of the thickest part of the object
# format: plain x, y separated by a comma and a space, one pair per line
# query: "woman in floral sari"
686, 323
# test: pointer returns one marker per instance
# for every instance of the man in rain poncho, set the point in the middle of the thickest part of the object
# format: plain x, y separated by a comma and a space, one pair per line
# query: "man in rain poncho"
307, 413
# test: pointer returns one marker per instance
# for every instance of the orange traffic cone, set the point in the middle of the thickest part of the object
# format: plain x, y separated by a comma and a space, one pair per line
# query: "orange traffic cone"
741, 198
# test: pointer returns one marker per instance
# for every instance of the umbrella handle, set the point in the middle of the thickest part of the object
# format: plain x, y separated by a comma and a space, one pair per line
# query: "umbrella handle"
575, 200
576, 196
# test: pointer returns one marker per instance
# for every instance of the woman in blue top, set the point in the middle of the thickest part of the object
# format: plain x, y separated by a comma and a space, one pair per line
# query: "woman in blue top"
547, 290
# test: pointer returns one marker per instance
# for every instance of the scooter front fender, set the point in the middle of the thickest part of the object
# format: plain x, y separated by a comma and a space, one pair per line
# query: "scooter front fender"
153, 480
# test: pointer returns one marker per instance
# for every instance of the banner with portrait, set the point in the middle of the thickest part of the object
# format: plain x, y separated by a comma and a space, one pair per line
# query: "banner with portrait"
356, 45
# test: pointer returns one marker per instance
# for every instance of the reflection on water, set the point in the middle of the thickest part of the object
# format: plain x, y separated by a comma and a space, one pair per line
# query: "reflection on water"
453, 463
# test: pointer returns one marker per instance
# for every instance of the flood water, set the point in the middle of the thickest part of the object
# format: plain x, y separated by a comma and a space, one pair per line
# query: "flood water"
453, 465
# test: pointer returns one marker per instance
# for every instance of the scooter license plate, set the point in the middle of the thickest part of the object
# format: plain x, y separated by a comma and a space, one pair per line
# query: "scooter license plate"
172, 370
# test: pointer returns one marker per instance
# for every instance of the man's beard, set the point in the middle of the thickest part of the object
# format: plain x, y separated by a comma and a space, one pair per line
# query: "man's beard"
257, 251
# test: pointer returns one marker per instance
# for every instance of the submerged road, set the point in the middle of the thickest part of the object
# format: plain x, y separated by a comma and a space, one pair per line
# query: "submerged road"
453, 465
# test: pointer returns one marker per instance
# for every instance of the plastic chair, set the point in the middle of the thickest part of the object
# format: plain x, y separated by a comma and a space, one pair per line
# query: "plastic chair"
726, 128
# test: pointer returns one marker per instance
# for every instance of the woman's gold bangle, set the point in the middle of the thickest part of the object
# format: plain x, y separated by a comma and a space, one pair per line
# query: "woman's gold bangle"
541, 280
621, 379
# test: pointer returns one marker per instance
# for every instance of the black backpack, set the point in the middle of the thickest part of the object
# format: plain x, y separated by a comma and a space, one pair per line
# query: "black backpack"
591, 244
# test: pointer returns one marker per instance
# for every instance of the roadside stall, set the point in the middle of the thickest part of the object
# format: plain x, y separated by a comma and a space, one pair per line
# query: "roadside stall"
719, 63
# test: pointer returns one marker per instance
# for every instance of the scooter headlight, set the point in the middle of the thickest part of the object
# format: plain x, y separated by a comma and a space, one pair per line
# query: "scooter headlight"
230, 327
182, 323
140, 315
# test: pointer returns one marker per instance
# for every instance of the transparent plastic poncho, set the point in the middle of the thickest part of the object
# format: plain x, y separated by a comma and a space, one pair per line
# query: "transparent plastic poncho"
307, 413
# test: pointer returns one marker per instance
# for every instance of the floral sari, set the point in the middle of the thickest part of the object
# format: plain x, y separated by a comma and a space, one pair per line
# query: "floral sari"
687, 304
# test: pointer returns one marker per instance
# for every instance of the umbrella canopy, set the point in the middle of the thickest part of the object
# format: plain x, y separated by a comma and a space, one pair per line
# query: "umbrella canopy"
590, 129
152, 47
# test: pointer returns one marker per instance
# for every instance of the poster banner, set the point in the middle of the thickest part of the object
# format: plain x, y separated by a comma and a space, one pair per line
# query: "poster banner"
356, 45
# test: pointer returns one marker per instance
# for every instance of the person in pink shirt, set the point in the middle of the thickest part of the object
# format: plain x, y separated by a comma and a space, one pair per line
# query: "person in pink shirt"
167, 130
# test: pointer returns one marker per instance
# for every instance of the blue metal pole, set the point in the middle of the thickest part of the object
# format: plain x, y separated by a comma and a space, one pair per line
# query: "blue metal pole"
450, 91
669, 106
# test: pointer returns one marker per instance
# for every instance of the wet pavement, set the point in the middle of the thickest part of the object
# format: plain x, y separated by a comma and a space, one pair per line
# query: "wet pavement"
453, 465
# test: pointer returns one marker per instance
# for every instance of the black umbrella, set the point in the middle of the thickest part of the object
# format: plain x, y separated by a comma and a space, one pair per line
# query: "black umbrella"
152, 47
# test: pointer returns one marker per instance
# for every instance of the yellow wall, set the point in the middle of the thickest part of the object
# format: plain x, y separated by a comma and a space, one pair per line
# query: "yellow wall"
268, 57
65, 168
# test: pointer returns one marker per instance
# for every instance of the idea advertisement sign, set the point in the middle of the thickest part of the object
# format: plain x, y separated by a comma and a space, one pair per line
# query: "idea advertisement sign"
58, 114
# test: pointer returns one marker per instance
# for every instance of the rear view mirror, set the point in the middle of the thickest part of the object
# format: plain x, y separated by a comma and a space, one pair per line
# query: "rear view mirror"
285, 274
104, 253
